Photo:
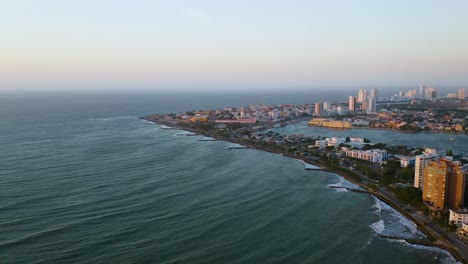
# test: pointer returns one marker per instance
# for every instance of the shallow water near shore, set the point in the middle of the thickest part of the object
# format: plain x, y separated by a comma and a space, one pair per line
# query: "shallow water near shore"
110, 188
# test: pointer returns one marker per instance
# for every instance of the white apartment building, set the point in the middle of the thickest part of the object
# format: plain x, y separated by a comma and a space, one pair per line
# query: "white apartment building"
373, 155
419, 164
334, 141
459, 217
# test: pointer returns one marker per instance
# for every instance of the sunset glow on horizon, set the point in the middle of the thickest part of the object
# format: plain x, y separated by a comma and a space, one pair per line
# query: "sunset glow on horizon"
261, 44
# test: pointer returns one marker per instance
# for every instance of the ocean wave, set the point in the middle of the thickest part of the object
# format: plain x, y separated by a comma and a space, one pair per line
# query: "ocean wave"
377, 206
396, 224
341, 190
378, 227
342, 182
445, 258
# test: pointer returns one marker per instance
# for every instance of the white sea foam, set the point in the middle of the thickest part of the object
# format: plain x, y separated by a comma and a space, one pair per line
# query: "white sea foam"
341, 190
397, 224
378, 227
233, 145
412, 227
377, 206
342, 182
185, 133
445, 258
308, 166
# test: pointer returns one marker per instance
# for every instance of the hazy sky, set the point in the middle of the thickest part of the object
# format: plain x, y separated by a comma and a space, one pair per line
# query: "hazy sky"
232, 44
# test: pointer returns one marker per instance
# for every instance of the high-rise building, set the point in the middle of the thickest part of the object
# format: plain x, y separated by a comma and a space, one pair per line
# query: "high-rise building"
373, 94
318, 109
361, 96
443, 185
420, 164
326, 106
352, 103
371, 105
422, 91
431, 94
456, 193
461, 93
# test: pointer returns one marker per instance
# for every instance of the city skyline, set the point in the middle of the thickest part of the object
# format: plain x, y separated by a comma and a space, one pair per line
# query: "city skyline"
205, 45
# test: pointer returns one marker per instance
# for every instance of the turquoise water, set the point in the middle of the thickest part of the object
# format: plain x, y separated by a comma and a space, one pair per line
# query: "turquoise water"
88, 182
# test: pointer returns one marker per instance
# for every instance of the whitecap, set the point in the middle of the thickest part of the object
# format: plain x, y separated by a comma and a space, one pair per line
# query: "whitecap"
377, 206
378, 227
342, 182
445, 258
397, 224
341, 190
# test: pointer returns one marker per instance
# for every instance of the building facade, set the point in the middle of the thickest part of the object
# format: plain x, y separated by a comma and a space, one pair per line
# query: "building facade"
459, 217
443, 185
352, 103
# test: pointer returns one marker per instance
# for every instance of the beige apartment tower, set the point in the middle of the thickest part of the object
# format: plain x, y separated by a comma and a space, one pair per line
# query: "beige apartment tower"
443, 185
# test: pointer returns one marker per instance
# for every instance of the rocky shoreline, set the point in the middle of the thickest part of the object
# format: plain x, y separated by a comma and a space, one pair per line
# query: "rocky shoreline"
433, 238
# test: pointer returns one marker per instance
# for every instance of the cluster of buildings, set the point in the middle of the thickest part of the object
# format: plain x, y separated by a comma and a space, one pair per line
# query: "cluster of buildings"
429, 120
423, 93
442, 182
351, 147
364, 102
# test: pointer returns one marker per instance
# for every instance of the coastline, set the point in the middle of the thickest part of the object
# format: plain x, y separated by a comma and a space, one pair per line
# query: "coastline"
395, 130
434, 239
412, 132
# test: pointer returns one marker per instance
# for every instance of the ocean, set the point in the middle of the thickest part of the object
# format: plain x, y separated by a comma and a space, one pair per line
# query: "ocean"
83, 180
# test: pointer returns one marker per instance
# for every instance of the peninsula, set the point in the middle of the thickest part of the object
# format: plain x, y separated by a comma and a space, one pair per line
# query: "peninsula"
391, 173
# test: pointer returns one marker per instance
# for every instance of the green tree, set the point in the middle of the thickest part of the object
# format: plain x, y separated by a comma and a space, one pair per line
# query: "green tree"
410, 195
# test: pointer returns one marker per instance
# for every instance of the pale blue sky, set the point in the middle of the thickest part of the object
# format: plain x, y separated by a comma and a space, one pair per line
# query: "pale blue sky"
232, 44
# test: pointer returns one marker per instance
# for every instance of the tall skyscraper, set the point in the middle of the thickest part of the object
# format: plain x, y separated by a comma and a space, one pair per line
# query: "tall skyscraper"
361, 96
422, 91
461, 93
420, 164
318, 109
431, 94
371, 105
443, 185
352, 103
373, 94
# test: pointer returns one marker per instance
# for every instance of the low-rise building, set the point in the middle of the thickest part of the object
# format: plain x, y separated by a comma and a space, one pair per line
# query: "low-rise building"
373, 155
321, 122
333, 141
459, 217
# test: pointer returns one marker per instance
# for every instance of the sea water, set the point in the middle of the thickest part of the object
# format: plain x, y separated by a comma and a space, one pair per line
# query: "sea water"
83, 180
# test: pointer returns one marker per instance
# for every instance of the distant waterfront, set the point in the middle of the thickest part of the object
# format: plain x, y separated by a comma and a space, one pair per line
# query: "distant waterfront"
441, 141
